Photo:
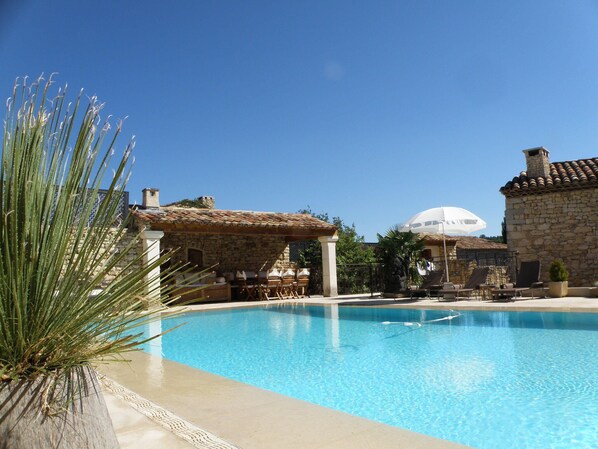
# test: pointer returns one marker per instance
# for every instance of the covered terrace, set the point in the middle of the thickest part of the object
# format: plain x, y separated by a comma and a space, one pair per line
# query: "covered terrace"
231, 240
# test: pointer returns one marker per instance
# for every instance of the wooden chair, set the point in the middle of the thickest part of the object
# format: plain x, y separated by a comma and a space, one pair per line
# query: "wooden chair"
302, 283
269, 288
288, 284
247, 284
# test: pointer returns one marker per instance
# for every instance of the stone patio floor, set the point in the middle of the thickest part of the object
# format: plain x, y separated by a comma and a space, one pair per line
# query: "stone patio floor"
156, 403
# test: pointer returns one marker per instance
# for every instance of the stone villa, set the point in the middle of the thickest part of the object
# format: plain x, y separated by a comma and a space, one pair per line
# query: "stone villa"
552, 212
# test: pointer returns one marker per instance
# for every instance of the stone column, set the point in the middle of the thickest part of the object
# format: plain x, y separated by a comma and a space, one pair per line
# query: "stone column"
329, 264
151, 252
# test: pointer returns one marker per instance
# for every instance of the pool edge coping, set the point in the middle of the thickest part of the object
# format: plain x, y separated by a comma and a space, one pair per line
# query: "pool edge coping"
177, 388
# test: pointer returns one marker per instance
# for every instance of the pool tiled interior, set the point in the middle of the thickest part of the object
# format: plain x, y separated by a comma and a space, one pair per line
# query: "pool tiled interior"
248, 417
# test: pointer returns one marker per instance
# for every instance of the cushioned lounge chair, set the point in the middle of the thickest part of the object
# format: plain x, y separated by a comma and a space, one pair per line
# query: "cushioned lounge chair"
528, 279
432, 282
478, 277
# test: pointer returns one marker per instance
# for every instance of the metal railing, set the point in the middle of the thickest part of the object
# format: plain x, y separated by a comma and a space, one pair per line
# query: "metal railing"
368, 278
350, 279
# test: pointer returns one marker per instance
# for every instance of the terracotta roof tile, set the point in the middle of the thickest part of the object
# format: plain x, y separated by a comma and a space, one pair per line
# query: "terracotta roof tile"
468, 242
465, 242
171, 215
580, 174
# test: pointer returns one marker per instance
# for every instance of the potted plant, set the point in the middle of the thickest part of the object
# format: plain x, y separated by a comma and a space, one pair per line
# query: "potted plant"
61, 234
558, 274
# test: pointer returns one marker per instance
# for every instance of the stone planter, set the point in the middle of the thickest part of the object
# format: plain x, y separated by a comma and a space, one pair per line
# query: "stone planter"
48, 413
558, 289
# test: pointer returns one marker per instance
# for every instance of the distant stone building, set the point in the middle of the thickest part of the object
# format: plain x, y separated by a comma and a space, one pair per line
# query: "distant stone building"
552, 212
483, 251
464, 253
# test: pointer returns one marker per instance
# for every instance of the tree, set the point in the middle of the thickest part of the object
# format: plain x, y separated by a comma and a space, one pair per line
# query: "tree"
401, 255
502, 238
352, 254
497, 238
350, 247
201, 202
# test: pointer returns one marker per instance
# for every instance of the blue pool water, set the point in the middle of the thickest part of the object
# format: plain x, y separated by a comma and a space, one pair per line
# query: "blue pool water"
485, 379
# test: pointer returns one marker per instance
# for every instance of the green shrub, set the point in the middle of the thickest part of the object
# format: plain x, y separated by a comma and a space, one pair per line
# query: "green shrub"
558, 272
400, 254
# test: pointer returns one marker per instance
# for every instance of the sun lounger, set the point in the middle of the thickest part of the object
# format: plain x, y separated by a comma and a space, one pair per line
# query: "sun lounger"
527, 280
452, 292
432, 282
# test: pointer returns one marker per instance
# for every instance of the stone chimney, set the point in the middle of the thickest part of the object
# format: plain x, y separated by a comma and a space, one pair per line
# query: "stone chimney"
538, 163
206, 202
151, 198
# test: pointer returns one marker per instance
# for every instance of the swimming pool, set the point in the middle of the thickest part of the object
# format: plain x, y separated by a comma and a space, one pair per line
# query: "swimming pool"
486, 379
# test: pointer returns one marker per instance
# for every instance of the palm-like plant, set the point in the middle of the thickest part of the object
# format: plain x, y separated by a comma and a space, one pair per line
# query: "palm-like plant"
59, 238
401, 255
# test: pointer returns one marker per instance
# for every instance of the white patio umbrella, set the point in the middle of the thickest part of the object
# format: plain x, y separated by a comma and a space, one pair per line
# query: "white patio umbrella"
444, 220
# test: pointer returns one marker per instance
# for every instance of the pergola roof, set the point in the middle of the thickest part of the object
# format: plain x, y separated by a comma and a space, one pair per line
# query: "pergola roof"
217, 221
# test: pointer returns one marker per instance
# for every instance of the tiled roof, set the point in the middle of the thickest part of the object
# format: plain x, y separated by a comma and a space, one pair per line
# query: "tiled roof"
579, 174
437, 238
465, 242
234, 220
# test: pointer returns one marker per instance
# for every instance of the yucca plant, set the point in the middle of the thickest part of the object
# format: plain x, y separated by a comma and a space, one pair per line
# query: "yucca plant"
61, 231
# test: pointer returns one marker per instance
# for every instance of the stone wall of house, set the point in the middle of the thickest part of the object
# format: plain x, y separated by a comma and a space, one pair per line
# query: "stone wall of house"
132, 257
130, 262
561, 225
231, 252
460, 268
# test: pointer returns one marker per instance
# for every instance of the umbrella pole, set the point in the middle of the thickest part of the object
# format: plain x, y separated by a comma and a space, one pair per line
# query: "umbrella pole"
445, 256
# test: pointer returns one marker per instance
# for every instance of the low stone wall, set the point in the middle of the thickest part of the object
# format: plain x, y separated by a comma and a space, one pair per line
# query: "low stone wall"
231, 252
557, 225
460, 272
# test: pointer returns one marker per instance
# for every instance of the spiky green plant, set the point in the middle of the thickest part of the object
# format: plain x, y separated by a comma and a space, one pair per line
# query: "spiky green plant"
59, 237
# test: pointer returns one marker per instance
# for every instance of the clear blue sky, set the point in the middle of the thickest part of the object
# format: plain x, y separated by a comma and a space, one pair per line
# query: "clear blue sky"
371, 111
